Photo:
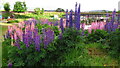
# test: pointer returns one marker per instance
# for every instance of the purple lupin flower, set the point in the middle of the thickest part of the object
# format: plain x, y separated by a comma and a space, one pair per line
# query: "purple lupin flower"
119, 18
60, 36
37, 42
83, 26
113, 20
83, 33
10, 65
7, 35
113, 16
67, 18
78, 19
48, 37
56, 23
75, 15
17, 41
26, 39
36, 39
115, 26
109, 27
106, 25
61, 25
70, 19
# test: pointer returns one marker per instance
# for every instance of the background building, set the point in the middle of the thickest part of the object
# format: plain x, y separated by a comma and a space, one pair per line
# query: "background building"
119, 6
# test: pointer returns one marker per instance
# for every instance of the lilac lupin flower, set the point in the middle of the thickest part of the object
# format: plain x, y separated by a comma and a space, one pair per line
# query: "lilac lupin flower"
61, 25
78, 19
70, 19
67, 18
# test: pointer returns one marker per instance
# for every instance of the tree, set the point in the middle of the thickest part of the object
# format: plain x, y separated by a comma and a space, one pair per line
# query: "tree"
20, 7
42, 11
37, 11
104, 11
7, 7
60, 10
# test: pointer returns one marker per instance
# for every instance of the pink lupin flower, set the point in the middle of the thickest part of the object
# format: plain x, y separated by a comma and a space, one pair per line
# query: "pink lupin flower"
32, 26
101, 25
11, 36
10, 29
89, 29
27, 28
19, 33
15, 36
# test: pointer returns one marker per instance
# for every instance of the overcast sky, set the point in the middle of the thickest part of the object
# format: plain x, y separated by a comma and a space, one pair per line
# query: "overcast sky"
86, 5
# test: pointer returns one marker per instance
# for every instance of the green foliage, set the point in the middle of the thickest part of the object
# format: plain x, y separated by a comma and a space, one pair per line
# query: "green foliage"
69, 49
6, 14
20, 7
63, 46
5, 49
42, 11
37, 11
96, 36
23, 56
45, 26
113, 41
60, 10
7, 7
13, 21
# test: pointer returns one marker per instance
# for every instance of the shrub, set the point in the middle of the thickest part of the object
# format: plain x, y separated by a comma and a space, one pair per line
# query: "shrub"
42, 11
113, 40
13, 21
63, 44
18, 56
18, 50
6, 14
20, 7
96, 36
54, 28
60, 10
37, 11
7, 7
